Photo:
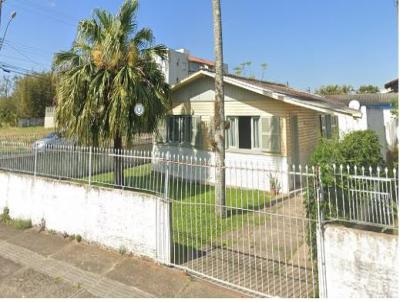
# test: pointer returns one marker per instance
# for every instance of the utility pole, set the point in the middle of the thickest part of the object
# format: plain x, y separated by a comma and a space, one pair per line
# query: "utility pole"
1, 6
13, 15
1, 9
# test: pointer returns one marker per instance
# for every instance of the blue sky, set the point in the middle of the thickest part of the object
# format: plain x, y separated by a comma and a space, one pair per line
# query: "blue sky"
307, 43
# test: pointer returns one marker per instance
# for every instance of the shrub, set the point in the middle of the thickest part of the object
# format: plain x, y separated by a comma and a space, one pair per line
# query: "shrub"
122, 250
22, 224
78, 238
361, 148
5, 216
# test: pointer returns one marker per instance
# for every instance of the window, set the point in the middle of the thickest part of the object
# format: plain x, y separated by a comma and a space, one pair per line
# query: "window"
329, 125
231, 136
181, 129
253, 132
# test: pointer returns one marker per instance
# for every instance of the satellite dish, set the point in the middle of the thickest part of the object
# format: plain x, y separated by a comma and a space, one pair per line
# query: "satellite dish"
354, 104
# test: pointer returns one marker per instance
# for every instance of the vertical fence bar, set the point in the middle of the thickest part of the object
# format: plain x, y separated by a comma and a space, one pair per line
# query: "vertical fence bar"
90, 165
35, 162
320, 238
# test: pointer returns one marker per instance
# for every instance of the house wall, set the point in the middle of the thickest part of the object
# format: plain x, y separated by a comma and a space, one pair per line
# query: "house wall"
114, 218
347, 124
198, 97
252, 171
378, 119
367, 269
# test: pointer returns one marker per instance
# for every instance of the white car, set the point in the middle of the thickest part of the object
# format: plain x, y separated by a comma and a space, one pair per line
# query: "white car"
53, 139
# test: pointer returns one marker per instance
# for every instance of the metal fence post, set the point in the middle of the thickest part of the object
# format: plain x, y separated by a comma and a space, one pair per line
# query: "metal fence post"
166, 177
320, 238
168, 245
35, 162
90, 165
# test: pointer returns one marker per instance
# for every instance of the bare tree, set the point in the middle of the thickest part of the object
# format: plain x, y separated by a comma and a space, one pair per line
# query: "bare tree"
219, 114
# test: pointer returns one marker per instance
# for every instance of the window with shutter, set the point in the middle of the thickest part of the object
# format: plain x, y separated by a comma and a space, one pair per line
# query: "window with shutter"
179, 129
271, 134
231, 134
255, 132
196, 131
161, 134
328, 125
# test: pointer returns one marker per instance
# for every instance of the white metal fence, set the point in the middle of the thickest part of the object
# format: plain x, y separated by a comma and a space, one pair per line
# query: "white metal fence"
265, 243
359, 195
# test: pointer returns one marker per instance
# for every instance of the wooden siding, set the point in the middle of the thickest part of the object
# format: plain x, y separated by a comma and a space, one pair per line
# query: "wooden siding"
197, 99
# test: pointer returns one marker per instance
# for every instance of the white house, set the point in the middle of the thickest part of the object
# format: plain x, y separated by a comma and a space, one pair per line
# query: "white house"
376, 114
270, 124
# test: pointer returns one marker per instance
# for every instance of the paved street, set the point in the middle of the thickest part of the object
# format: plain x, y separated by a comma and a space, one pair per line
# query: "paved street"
34, 264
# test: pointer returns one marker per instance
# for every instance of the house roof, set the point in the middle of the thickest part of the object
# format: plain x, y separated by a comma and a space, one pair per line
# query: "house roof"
393, 85
279, 92
365, 99
201, 61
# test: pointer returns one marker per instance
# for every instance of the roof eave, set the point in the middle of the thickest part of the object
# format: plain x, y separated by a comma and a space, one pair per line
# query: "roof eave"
269, 93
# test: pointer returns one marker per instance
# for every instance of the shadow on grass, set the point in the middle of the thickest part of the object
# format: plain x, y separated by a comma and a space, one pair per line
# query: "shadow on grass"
182, 254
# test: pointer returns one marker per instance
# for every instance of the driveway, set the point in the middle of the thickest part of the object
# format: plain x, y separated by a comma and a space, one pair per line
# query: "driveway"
40, 264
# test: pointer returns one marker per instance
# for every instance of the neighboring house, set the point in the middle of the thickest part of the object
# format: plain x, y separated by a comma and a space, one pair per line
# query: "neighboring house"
376, 115
269, 123
392, 86
179, 64
49, 119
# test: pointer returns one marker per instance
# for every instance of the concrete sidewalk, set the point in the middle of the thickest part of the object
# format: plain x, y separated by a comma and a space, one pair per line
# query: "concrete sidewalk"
40, 264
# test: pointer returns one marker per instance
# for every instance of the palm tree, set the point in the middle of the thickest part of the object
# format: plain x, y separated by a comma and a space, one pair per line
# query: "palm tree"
219, 112
110, 68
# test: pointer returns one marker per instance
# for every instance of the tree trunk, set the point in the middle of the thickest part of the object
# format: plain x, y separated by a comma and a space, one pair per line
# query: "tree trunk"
219, 114
118, 162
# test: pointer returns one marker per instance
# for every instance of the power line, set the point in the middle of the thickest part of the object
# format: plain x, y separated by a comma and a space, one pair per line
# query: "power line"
49, 15
27, 47
52, 11
22, 54
16, 58
8, 68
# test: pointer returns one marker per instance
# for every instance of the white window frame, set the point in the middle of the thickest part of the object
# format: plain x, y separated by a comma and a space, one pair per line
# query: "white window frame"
236, 125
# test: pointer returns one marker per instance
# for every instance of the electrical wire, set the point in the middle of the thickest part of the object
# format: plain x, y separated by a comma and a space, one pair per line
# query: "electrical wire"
8, 68
34, 10
22, 54
51, 10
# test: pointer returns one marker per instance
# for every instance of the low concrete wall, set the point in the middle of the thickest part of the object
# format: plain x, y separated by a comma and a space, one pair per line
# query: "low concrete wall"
360, 264
114, 218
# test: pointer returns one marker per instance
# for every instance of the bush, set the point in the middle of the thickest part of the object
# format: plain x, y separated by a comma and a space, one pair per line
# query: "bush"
5, 216
8, 113
359, 148
22, 224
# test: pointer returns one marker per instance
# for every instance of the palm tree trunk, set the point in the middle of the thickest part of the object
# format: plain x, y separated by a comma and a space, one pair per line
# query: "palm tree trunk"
118, 162
219, 114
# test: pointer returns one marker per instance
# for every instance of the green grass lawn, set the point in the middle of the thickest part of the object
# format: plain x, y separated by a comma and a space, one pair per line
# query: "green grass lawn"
195, 224
12, 132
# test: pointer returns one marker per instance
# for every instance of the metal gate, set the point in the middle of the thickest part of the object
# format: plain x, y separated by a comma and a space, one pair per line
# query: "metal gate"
261, 244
